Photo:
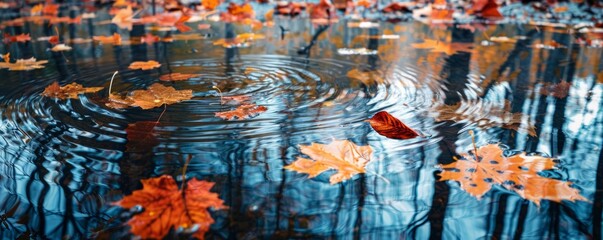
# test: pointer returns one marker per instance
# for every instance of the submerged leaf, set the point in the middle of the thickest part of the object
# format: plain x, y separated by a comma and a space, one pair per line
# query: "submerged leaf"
344, 156
71, 90
168, 208
518, 173
242, 112
391, 127
141, 137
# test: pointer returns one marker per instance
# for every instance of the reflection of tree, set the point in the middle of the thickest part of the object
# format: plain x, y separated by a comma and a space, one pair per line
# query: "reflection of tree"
455, 72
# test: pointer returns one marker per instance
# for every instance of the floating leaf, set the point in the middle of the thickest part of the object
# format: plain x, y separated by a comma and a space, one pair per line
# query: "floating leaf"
210, 4
347, 158
17, 38
518, 173
168, 208
391, 127
155, 96
60, 47
114, 39
71, 90
235, 100
148, 65
486, 9
23, 64
177, 76
242, 112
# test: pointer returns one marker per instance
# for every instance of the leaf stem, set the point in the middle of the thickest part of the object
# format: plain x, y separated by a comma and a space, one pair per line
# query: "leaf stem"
220, 92
111, 84
161, 115
474, 146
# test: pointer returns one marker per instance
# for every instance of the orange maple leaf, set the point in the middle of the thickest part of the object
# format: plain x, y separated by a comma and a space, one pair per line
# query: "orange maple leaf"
148, 65
177, 76
155, 96
17, 38
518, 173
113, 39
210, 4
344, 156
23, 64
242, 112
443, 47
71, 90
166, 207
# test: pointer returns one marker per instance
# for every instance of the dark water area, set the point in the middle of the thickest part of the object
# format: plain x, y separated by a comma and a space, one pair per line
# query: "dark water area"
64, 162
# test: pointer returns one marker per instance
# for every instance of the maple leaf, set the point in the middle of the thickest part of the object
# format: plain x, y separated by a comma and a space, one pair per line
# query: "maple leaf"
177, 76
323, 10
238, 12
71, 90
391, 127
17, 38
234, 100
485, 9
166, 207
148, 65
344, 156
442, 47
180, 24
114, 39
210, 4
157, 95
6, 57
141, 137
518, 173
123, 18
242, 112
23, 64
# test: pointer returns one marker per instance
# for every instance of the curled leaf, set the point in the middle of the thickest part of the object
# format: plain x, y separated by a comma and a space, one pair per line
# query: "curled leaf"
391, 127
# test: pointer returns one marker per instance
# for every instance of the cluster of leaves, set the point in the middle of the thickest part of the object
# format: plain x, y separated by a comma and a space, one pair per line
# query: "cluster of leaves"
478, 171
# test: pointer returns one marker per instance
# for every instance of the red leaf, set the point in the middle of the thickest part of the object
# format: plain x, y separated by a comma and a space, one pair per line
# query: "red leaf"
389, 126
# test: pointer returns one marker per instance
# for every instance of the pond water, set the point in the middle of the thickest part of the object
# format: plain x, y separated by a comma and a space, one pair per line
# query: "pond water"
64, 162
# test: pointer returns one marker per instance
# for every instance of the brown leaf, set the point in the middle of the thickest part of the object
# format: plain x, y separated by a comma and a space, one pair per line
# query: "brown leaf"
391, 127
168, 208
242, 112
155, 96
148, 65
518, 173
177, 76
71, 90
344, 156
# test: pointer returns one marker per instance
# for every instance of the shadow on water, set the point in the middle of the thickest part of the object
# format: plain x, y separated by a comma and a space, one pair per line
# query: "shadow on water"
64, 162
